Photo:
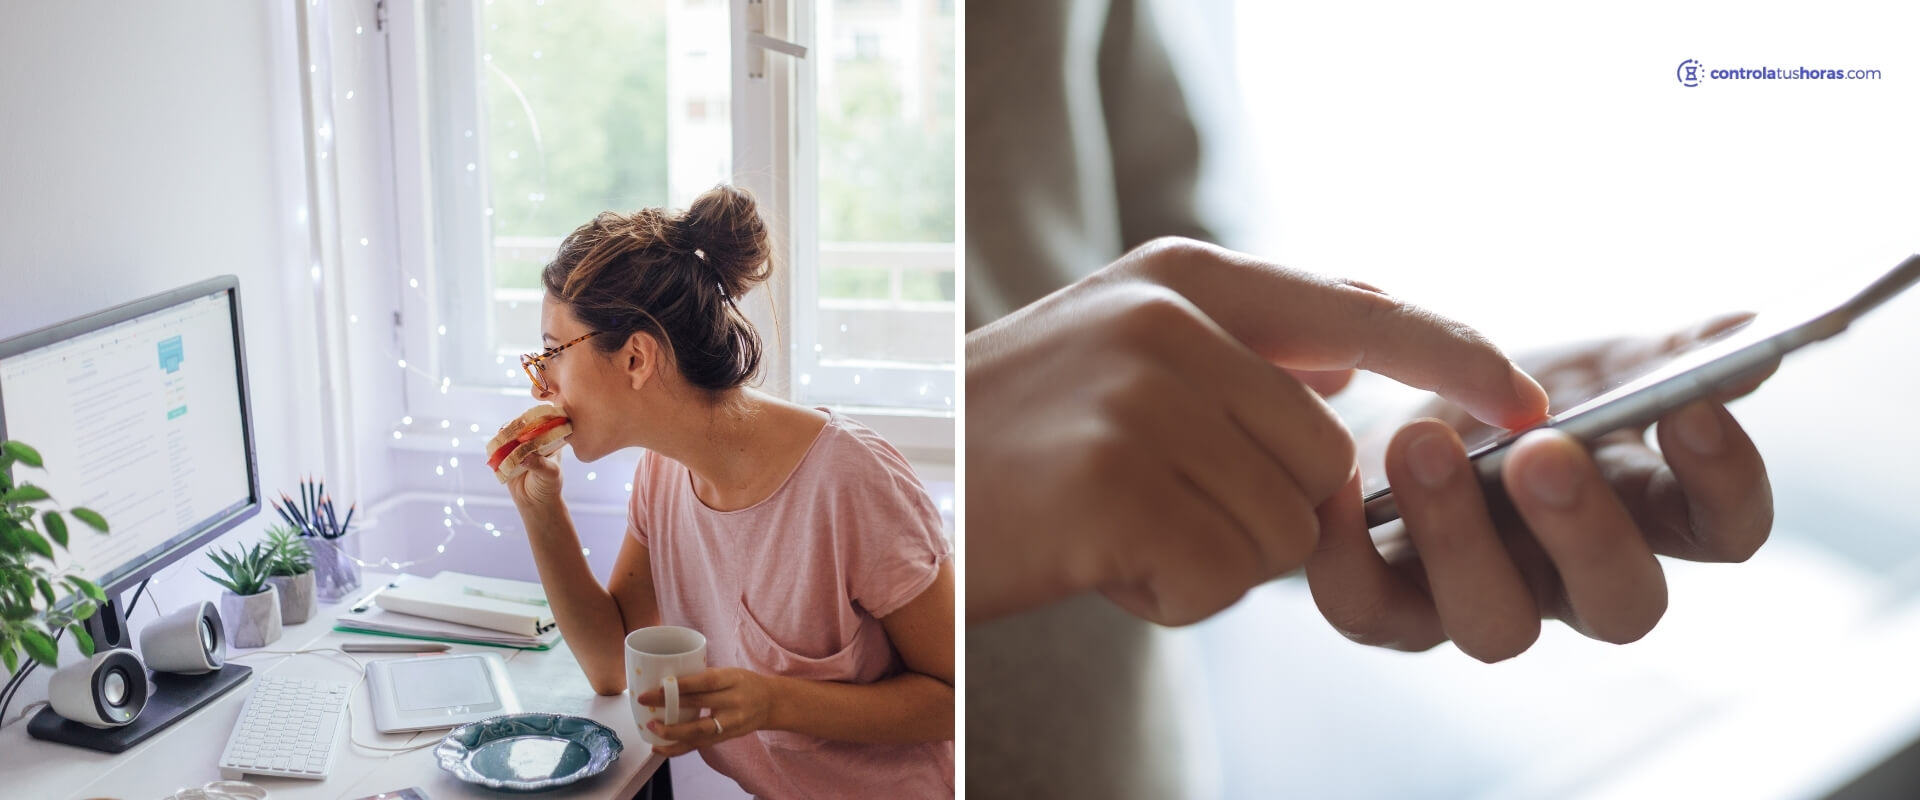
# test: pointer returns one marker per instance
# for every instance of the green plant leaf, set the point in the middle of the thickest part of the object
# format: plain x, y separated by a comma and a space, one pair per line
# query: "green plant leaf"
222, 581
81, 638
86, 587
56, 528
24, 494
46, 590
36, 542
21, 452
246, 569
84, 608
9, 652
40, 647
91, 517
288, 554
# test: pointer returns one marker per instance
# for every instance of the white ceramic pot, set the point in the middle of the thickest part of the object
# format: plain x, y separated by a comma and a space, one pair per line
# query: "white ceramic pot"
253, 620
297, 600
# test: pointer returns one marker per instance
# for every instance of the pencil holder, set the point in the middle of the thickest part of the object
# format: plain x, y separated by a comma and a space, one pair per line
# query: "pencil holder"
335, 573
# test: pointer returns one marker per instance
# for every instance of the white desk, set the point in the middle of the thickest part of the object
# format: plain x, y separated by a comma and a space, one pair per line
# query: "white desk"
185, 754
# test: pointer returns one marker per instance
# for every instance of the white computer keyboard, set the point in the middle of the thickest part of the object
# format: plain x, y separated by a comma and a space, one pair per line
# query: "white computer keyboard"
289, 727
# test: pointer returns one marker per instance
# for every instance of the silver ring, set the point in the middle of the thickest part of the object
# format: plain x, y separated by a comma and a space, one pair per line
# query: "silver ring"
717, 730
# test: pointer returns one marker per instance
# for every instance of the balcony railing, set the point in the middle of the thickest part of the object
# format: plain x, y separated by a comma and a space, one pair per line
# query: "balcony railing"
910, 320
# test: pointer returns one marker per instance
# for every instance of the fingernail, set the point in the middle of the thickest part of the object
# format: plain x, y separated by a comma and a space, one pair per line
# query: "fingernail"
1431, 458
1528, 390
1699, 428
1551, 477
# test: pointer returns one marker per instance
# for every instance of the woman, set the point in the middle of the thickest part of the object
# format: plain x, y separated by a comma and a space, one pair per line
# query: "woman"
798, 541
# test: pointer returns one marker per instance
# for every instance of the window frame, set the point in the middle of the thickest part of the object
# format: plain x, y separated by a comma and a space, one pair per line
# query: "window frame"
809, 258
770, 159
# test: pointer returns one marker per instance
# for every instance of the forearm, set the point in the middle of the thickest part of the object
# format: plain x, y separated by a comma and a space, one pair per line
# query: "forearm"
586, 612
904, 709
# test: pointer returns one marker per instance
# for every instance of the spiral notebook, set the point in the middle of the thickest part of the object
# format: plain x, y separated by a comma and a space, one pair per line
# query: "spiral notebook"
457, 607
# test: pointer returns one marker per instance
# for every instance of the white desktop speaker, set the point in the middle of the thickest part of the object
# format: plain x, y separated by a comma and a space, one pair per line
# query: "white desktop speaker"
106, 691
189, 641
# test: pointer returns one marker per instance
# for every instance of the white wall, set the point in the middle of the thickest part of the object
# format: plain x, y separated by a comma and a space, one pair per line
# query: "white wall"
145, 146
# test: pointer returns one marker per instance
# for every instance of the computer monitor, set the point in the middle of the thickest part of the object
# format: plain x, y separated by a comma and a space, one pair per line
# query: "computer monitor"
141, 413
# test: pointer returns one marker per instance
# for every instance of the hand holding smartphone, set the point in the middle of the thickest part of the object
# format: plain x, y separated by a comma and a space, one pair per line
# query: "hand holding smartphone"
1638, 397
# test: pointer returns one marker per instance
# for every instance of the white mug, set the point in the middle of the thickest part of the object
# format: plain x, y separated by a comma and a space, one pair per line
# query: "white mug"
658, 657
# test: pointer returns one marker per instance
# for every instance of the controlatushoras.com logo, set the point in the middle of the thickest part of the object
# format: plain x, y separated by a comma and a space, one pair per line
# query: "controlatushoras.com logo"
1692, 73
1688, 73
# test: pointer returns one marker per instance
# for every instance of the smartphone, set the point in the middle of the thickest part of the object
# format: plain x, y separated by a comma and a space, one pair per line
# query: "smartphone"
1652, 390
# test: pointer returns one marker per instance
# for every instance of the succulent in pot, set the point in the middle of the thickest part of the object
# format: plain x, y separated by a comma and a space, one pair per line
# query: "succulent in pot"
291, 573
251, 605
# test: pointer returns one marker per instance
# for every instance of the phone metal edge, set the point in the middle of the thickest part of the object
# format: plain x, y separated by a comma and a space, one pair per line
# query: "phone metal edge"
1381, 508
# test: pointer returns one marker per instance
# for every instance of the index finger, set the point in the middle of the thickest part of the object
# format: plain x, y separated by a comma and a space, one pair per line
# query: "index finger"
698, 683
1300, 320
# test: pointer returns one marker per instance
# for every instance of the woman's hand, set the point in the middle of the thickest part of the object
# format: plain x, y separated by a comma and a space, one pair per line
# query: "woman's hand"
742, 700
1153, 431
539, 484
1571, 536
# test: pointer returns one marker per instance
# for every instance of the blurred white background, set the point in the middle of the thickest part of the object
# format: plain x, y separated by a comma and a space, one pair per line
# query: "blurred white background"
1538, 171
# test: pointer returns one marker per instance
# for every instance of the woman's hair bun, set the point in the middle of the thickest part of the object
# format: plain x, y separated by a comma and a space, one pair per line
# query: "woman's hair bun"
724, 226
673, 276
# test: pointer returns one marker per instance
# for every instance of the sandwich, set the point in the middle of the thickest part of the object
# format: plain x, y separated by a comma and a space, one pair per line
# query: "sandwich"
538, 431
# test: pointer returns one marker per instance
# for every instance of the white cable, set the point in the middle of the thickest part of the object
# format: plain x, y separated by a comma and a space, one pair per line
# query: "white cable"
25, 711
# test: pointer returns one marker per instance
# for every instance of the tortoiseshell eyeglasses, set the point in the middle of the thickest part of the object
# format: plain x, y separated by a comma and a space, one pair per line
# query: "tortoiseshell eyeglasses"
535, 364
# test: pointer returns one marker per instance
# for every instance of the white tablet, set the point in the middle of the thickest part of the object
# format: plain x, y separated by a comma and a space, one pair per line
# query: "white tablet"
413, 694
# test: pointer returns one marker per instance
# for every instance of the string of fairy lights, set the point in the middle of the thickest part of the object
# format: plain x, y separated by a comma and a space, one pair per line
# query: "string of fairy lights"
455, 516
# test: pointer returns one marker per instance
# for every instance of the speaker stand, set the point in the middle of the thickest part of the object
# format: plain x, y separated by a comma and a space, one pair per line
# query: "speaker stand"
173, 698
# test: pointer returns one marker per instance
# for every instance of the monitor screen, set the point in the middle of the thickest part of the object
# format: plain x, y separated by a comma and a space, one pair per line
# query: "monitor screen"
139, 413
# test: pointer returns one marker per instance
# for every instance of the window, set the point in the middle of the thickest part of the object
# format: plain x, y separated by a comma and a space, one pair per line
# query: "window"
547, 114
877, 325
533, 116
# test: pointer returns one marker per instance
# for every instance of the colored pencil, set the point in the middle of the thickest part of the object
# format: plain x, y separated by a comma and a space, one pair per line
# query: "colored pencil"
284, 515
299, 520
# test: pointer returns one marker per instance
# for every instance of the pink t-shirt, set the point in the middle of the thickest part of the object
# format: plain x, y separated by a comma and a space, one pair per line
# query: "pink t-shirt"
794, 585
